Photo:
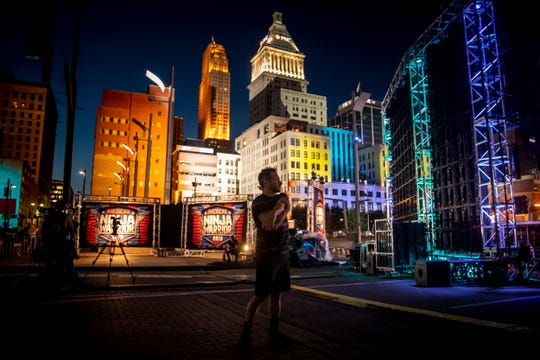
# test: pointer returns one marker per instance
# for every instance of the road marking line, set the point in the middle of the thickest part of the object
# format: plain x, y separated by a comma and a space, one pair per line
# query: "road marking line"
364, 303
496, 302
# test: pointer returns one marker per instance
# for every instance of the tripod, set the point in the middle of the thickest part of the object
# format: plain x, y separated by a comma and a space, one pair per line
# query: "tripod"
37, 260
112, 243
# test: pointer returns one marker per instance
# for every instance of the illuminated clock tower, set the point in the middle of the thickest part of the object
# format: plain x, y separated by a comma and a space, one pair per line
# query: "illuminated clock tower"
278, 86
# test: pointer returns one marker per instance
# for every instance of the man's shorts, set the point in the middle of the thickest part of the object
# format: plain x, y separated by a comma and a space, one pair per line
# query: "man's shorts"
272, 272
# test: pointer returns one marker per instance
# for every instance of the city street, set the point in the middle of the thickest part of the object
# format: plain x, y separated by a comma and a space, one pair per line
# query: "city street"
333, 312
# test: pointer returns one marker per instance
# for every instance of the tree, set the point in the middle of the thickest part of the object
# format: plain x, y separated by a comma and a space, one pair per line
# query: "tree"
298, 213
334, 219
373, 215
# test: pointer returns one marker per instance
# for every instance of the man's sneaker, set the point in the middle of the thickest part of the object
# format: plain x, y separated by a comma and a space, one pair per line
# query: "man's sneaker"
280, 341
244, 344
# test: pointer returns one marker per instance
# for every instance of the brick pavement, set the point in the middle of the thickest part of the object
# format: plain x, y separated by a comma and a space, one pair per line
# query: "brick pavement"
167, 322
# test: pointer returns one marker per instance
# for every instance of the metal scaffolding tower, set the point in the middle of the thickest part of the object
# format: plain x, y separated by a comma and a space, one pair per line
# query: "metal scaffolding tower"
488, 111
492, 154
422, 147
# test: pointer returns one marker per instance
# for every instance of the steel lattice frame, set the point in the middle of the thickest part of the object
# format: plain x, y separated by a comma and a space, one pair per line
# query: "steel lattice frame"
489, 120
488, 111
422, 146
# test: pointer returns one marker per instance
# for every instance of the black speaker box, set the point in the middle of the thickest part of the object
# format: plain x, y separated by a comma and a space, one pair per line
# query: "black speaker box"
371, 266
432, 273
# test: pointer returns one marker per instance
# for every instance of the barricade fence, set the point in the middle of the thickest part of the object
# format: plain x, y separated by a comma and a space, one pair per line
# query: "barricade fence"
12, 245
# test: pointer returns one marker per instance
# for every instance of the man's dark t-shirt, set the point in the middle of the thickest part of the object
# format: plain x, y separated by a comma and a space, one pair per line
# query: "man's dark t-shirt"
273, 240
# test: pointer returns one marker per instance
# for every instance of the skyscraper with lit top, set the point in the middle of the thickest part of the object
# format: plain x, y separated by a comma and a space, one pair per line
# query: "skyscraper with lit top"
214, 94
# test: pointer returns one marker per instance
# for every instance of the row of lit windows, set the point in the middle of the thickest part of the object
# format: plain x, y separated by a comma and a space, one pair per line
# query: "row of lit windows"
296, 165
362, 193
230, 190
111, 144
229, 181
335, 192
19, 142
11, 139
114, 120
14, 104
20, 122
303, 100
114, 132
22, 114
227, 162
24, 95
314, 144
11, 131
17, 155
228, 171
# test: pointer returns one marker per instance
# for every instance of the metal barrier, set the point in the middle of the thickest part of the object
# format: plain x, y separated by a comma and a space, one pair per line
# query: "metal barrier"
12, 246
178, 252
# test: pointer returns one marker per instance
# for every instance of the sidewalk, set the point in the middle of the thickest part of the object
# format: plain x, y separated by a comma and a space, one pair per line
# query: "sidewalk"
118, 267
120, 257
138, 267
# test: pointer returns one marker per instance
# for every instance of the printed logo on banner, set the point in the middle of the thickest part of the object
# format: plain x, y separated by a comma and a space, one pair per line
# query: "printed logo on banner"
130, 224
213, 225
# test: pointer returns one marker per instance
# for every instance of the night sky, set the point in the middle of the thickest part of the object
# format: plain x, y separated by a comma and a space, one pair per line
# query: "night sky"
344, 43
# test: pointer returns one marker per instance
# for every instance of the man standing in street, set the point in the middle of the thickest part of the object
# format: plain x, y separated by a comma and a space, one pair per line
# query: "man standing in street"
272, 271
57, 231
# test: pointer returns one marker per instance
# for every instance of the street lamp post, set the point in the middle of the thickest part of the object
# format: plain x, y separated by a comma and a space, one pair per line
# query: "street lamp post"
315, 221
126, 171
313, 216
367, 211
7, 195
358, 101
121, 178
83, 173
169, 145
195, 183
148, 151
135, 170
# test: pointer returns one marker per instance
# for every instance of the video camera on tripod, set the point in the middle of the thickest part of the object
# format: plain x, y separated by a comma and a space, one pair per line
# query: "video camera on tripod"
112, 244
115, 225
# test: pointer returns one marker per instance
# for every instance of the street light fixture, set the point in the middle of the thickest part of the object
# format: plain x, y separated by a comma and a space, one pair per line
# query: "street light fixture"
83, 173
359, 100
148, 152
121, 178
133, 153
169, 145
126, 171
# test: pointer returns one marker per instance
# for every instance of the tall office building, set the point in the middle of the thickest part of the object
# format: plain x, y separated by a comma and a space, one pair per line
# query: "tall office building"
369, 122
278, 85
295, 149
28, 122
130, 146
370, 130
214, 94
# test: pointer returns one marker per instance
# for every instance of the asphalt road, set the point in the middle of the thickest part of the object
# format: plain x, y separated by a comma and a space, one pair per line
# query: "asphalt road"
332, 313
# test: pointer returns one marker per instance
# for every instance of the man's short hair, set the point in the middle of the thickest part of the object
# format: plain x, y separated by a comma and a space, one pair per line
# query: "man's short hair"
265, 174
